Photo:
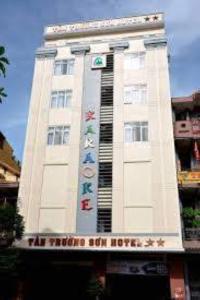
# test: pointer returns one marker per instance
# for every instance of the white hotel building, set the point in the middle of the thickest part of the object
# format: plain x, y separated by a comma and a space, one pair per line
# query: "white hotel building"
98, 180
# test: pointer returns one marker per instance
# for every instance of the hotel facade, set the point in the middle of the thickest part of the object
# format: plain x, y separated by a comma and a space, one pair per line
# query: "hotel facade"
98, 187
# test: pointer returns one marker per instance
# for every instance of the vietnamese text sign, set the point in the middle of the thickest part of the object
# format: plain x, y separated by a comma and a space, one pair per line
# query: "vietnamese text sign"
102, 24
102, 242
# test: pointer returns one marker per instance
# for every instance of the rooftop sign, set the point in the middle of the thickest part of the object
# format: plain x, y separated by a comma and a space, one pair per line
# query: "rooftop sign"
69, 29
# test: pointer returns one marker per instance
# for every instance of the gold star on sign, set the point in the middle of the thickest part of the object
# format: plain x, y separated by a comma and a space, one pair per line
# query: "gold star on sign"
149, 243
160, 243
155, 18
147, 19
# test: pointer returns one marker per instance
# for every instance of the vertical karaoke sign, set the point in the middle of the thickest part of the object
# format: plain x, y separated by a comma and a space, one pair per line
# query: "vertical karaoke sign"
88, 168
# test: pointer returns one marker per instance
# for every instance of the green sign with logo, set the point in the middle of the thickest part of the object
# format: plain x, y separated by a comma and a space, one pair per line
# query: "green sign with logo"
98, 61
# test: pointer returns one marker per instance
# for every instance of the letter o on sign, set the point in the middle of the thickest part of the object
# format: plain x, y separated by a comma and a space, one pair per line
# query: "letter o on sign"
88, 172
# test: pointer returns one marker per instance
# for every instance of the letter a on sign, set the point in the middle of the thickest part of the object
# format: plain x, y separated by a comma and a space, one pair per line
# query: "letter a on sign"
88, 159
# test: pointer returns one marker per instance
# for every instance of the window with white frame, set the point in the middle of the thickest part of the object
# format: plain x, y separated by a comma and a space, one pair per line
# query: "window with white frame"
134, 61
136, 132
61, 99
135, 94
58, 135
64, 67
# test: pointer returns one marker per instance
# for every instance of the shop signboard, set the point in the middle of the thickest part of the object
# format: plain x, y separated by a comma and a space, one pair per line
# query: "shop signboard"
148, 268
101, 242
189, 177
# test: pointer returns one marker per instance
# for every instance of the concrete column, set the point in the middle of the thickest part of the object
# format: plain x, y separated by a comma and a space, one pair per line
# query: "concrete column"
118, 138
36, 137
177, 284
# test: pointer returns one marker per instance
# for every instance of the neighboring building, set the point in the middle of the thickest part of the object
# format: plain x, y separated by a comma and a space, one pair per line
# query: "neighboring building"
99, 170
9, 173
187, 140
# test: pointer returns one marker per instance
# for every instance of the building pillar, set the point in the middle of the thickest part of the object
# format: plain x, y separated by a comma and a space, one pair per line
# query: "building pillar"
74, 168
35, 145
177, 284
187, 287
118, 137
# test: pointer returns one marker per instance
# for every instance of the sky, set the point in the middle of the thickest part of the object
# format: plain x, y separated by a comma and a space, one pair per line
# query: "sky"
21, 32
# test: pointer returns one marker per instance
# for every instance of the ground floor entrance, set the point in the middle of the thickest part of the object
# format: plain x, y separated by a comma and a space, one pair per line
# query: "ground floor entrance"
57, 282
74, 283
138, 287
83, 276
86, 275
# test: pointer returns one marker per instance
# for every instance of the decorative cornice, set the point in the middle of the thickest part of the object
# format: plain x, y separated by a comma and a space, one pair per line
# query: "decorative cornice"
46, 52
80, 49
155, 42
119, 45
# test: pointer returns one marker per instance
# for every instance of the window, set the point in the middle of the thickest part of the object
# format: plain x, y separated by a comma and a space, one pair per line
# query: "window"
64, 67
106, 132
60, 99
104, 220
134, 61
58, 135
136, 132
105, 174
135, 94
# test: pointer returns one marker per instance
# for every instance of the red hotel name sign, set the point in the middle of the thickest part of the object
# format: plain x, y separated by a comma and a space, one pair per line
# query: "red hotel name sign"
94, 242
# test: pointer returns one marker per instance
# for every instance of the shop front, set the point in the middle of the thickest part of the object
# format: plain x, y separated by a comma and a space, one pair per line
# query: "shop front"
138, 279
110, 267
109, 275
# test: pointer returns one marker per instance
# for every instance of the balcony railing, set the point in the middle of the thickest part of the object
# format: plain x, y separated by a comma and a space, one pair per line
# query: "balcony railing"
187, 129
192, 239
189, 178
192, 234
10, 200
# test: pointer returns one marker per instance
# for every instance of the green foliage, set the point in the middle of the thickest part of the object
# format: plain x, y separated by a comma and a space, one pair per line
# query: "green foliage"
2, 94
11, 222
9, 261
191, 217
11, 268
3, 62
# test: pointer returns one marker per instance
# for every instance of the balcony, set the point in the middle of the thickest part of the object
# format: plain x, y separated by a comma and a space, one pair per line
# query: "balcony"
192, 234
189, 179
187, 129
192, 238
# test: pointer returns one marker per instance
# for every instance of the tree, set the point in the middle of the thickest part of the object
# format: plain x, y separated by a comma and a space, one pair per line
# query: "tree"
11, 228
191, 217
11, 224
3, 62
